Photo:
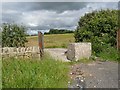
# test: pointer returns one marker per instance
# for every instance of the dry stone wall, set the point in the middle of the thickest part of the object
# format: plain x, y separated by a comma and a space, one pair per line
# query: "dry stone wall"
20, 52
76, 51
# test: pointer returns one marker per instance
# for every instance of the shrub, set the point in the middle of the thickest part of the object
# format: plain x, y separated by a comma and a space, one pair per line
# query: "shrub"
13, 35
99, 28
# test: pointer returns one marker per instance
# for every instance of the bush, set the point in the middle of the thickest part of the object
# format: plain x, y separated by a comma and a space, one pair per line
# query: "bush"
99, 28
13, 35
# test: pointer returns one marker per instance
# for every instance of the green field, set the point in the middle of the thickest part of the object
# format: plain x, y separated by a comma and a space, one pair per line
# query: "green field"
52, 40
27, 73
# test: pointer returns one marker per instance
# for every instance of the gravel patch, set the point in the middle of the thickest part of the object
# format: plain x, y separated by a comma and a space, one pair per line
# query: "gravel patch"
97, 74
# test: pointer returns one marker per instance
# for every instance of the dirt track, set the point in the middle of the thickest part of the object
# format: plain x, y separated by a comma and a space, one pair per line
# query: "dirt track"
97, 74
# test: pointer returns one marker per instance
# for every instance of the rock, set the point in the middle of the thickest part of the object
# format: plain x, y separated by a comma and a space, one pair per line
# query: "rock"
77, 51
78, 82
71, 73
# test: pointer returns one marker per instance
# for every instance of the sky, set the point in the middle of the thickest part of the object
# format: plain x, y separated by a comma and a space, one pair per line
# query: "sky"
47, 15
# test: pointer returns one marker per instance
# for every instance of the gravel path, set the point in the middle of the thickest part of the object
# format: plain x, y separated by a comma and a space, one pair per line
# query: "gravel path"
95, 75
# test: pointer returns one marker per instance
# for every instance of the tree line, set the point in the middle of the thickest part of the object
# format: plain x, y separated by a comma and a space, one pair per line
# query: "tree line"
59, 31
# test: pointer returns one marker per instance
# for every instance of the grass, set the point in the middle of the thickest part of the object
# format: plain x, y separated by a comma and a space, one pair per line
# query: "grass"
110, 54
27, 73
83, 60
52, 40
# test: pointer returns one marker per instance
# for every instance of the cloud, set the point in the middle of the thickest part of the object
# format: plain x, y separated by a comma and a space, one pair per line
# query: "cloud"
60, 1
53, 6
47, 15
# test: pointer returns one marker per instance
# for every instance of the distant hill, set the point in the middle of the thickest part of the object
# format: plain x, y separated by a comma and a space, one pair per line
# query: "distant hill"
59, 31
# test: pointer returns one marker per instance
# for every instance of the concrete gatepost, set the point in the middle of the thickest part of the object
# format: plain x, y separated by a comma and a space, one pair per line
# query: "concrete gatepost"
77, 51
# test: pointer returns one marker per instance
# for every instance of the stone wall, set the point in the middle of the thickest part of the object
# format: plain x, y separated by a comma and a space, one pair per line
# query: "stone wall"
77, 51
19, 52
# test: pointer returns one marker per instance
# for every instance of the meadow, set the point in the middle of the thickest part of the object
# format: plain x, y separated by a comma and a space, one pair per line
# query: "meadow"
52, 40
29, 73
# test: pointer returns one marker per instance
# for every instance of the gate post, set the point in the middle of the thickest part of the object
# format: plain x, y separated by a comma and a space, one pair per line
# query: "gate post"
40, 44
118, 39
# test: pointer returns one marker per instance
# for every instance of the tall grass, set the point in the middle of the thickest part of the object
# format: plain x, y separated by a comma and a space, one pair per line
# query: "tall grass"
27, 73
109, 53
52, 40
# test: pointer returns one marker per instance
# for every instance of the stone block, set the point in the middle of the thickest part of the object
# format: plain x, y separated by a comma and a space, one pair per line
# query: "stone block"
77, 51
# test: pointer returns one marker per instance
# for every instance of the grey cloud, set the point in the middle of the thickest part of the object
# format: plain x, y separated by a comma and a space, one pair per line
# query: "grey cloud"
53, 6
25, 7
47, 15
10, 18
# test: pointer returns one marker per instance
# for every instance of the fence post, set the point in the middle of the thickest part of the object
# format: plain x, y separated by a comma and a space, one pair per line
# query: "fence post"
118, 39
40, 43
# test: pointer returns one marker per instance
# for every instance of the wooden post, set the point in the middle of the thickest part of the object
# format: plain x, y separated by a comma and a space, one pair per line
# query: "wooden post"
40, 43
118, 39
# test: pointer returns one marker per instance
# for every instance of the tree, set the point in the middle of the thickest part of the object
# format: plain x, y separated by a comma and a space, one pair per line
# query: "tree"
13, 35
98, 27
59, 31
